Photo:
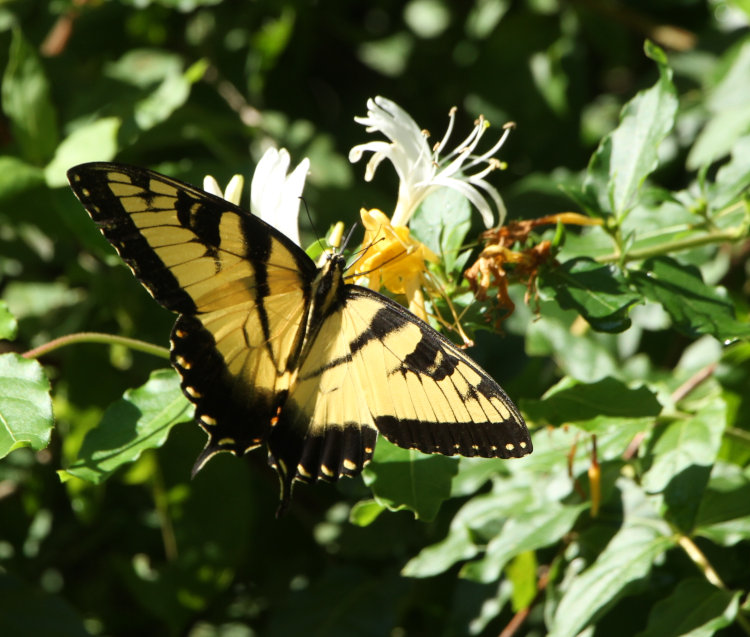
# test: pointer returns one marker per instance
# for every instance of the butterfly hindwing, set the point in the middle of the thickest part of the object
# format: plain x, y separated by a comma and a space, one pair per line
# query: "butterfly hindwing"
273, 350
423, 391
374, 367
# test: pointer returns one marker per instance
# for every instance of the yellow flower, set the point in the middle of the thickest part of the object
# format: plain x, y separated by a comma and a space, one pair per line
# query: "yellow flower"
393, 260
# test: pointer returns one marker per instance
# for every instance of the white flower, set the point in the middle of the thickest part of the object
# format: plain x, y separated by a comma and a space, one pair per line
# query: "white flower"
233, 192
274, 195
421, 170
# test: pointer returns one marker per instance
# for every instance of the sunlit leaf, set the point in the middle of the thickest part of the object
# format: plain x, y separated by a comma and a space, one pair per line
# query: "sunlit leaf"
727, 103
27, 103
18, 176
521, 571
407, 479
571, 402
582, 356
457, 546
441, 223
94, 141
8, 324
695, 308
598, 292
693, 609
724, 513
141, 420
365, 512
525, 531
25, 404
630, 153
628, 557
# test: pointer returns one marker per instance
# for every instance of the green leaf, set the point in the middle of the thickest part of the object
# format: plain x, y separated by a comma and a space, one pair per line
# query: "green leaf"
724, 512
8, 323
694, 609
727, 103
598, 292
526, 531
18, 176
686, 443
162, 102
40, 298
26, 102
571, 402
139, 421
695, 308
630, 153
733, 178
472, 474
407, 479
93, 141
441, 223
719, 136
628, 557
438, 558
479, 520
521, 572
144, 67
25, 404
365, 512
389, 55
584, 357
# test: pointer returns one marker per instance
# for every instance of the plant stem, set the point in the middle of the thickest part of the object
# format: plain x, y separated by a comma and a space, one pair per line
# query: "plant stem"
718, 236
161, 502
97, 337
700, 560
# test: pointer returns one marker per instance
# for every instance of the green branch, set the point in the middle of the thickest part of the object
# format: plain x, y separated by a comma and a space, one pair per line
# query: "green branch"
97, 337
718, 236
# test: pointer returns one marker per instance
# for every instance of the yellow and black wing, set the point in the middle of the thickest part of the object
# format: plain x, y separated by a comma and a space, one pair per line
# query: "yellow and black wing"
374, 366
241, 288
273, 350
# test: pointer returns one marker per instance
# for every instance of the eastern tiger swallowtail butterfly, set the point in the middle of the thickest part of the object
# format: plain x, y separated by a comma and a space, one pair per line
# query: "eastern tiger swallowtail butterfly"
273, 350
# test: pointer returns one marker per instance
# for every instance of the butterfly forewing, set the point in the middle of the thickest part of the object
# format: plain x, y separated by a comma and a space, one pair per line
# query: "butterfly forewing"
242, 288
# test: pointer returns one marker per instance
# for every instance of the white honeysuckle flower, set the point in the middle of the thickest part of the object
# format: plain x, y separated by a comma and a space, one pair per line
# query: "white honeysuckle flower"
274, 195
421, 170
233, 192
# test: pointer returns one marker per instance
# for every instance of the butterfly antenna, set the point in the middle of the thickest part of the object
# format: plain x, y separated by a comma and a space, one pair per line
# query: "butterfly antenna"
349, 236
362, 252
312, 223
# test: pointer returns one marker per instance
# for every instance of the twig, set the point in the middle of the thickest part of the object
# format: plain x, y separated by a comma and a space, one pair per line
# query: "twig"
97, 337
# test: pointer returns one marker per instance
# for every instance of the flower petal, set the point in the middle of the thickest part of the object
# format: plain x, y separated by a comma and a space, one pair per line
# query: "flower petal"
274, 196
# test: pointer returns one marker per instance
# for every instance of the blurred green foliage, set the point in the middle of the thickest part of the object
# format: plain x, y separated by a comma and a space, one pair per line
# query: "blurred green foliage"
636, 333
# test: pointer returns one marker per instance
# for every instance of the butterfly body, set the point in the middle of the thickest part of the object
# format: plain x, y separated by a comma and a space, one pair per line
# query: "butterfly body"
274, 351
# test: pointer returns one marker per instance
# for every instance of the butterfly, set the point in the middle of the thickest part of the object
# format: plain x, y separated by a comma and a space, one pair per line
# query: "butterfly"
273, 350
